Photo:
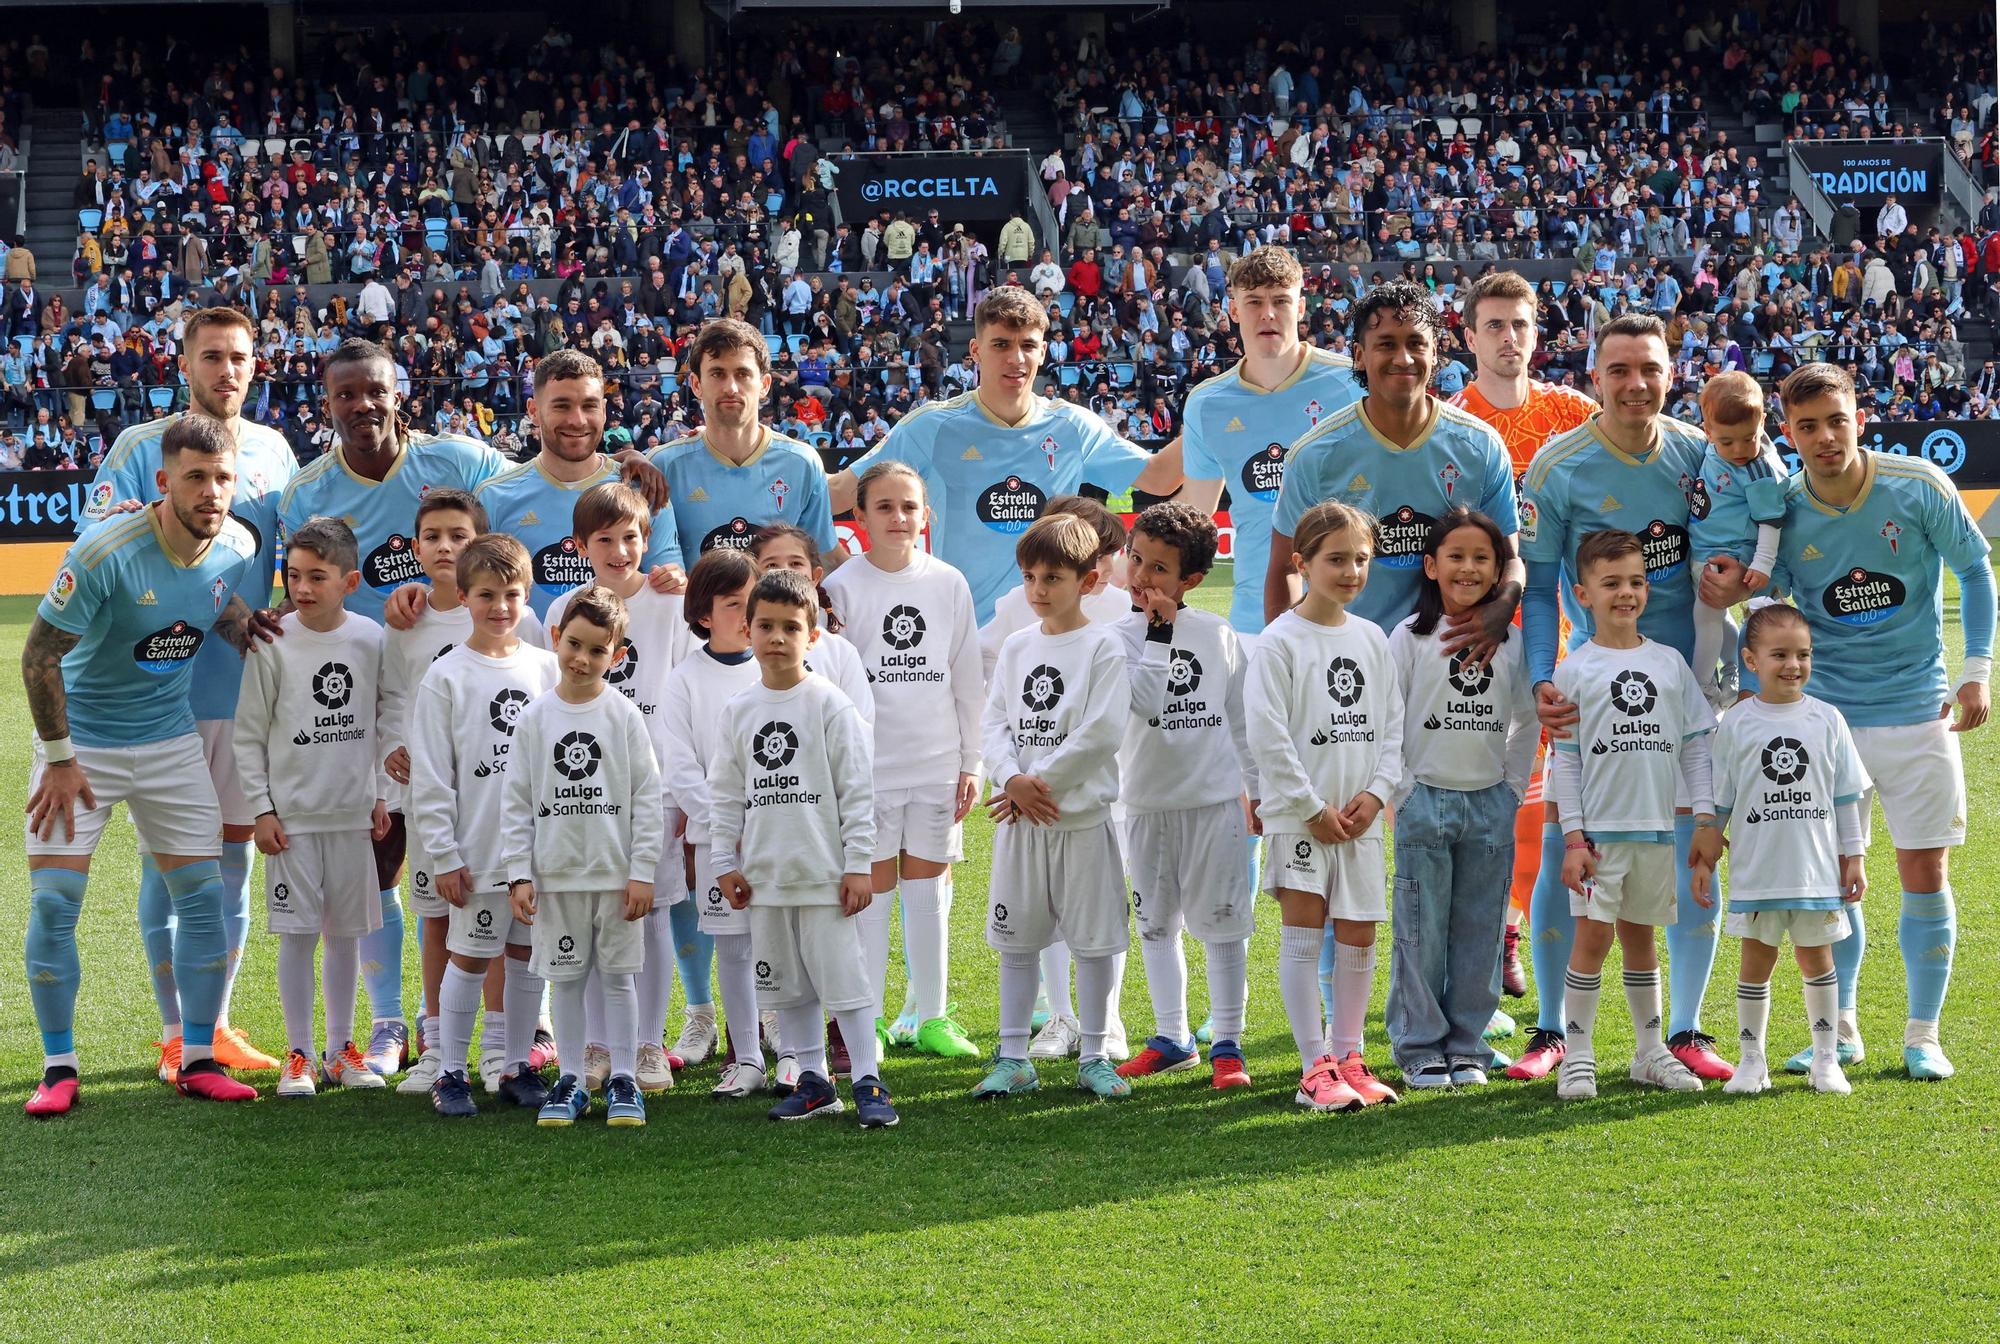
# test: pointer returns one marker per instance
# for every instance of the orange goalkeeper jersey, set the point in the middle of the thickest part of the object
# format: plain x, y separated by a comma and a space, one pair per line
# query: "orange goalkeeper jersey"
1549, 410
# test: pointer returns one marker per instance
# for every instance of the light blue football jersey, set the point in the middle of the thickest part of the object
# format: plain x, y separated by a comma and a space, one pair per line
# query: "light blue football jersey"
1580, 483
540, 510
718, 503
383, 513
1869, 579
1730, 499
989, 481
1240, 434
264, 467
142, 617
1457, 459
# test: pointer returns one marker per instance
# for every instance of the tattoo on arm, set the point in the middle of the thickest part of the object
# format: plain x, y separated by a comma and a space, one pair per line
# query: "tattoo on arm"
41, 673
233, 625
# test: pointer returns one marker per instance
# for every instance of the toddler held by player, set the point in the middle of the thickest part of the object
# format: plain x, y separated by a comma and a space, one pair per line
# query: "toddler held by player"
1735, 509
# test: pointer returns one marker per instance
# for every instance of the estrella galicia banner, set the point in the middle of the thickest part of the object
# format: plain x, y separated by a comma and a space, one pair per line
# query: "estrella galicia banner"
972, 187
42, 505
1868, 172
1968, 451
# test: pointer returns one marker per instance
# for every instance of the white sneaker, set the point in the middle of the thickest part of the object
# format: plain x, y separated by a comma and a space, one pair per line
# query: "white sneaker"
1464, 1074
1753, 1074
1115, 1044
1576, 1078
296, 1079
1659, 1068
655, 1074
1061, 1038
417, 1082
1850, 1034
596, 1068
346, 1068
785, 1078
739, 1080
492, 1067
1826, 1076
698, 1039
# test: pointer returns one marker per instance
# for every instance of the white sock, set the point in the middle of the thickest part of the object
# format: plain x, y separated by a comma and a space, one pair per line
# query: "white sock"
1580, 994
927, 941
458, 1004
1642, 994
1055, 979
493, 1032
1228, 988
736, 986
654, 984
593, 1009
872, 925
1710, 625
1823, 1014
524, 996
1096, 978
1298, 986
340, 971
1114, 1021
621, 1024
296, 990
568, 1006
1753, 1016
802, 1035
1019, 972
1166, 982
857, 1026
1353, 982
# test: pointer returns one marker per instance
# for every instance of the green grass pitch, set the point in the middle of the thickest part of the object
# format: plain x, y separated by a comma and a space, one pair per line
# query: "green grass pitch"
1178, 1214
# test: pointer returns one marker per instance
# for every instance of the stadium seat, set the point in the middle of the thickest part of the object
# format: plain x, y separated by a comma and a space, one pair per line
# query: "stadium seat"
161, 398
114, 151
104, 399
90, 220
1123, 373
1447, 126
777, 343
796, 342
1069, 375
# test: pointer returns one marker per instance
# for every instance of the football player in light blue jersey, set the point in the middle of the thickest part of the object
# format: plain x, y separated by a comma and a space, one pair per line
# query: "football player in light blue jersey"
536, 501
736, 474
1237, 427
219, 363
107, 663
1631, 469
992, 458
1405, 457
1867, 538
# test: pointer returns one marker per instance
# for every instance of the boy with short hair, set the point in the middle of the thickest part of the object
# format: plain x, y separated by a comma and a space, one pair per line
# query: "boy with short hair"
461, 731
582, 840
792, 836
612, 527
1643, 733
1184, 764
1735, 506
1054, 718
306, 753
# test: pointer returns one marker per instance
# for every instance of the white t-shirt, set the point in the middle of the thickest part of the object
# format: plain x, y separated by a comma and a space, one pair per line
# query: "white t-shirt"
1185, 744
461, 731
1636, 741
306, 744
1011, 612
1324, 710
583, 810
1785, 774
793, 793
1464, 728
408, 654
837, 660
919, 649
691, 728
1057, 710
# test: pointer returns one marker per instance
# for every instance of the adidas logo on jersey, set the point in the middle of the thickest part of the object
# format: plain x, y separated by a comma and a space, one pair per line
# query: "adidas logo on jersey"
1359, 482
1811, 552
698, 496
146, 599
1610, 505
1234, 426
529, 519
971, 455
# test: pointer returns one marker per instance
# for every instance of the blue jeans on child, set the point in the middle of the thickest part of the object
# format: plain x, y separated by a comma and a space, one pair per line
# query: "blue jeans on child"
1448, 913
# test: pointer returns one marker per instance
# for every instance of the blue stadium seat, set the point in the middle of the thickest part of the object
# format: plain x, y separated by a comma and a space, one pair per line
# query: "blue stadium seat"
161, 398
91, 219
104, 399
1069, 375
1066, 303
1123, 374
777, 343
797, 342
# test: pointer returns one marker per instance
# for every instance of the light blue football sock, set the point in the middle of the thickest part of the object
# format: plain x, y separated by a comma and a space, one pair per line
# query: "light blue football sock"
235, 913
1847, 955
382, 960
156, 932
1927, 933
55, 903
1327, 953
201, 957
694, 953
1551, 931
1690, 941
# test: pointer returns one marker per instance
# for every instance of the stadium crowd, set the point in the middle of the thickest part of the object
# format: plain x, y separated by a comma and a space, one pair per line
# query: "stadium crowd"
442, 187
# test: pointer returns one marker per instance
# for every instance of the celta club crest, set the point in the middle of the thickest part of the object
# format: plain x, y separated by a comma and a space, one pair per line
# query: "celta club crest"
1314, 410
1049, 449
219, 591
1890, 532
1449, 474
778, 492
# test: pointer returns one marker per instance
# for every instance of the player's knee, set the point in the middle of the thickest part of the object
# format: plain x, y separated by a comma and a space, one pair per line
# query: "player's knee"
55, 911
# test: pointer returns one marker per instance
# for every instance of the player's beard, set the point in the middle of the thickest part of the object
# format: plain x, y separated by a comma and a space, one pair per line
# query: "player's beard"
203, 526
214, 409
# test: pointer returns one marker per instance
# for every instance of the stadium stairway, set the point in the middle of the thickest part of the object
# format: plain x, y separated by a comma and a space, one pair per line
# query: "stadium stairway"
53, 168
